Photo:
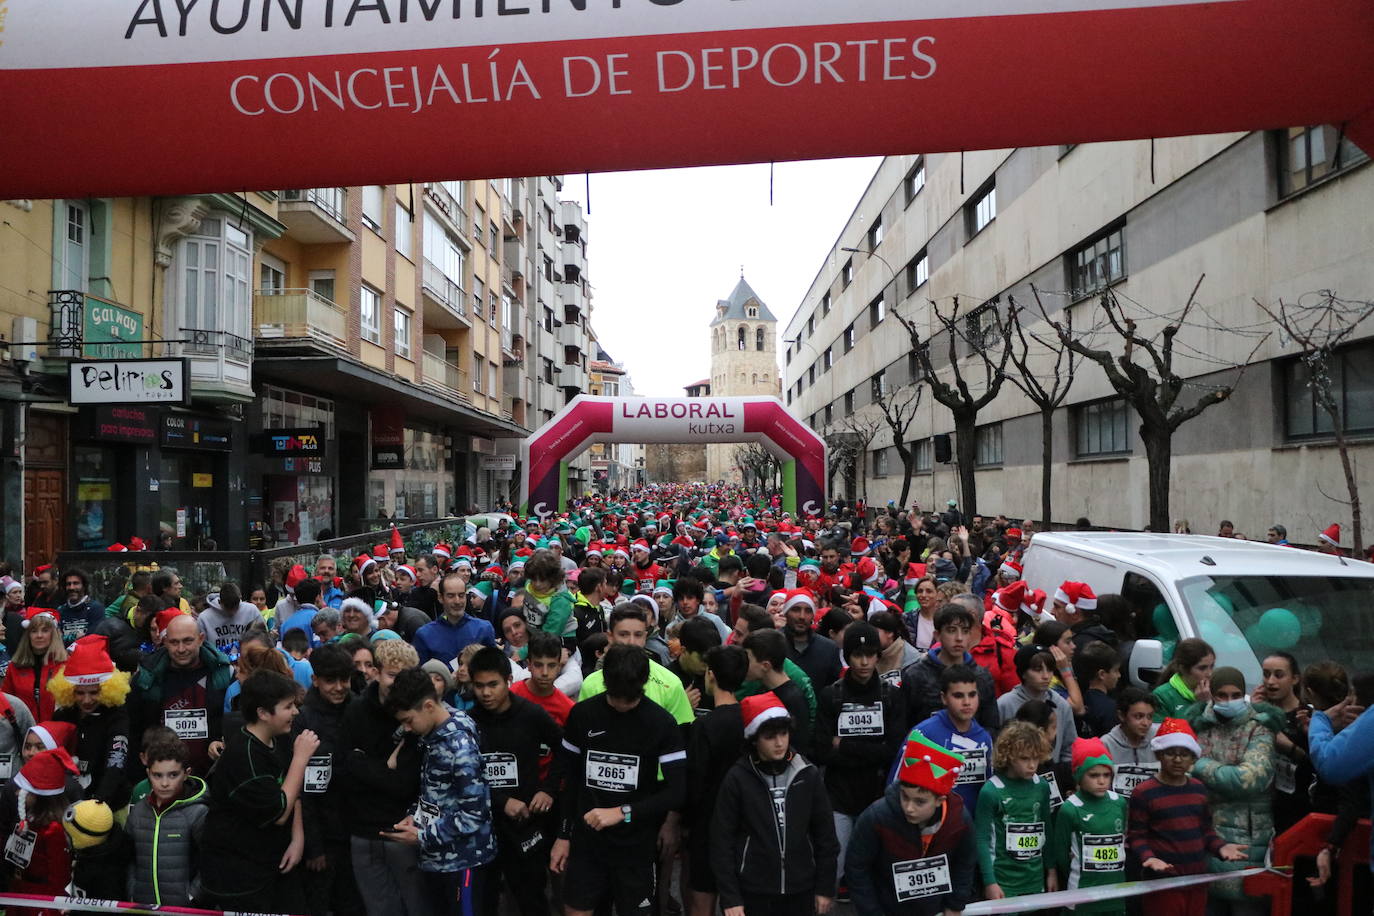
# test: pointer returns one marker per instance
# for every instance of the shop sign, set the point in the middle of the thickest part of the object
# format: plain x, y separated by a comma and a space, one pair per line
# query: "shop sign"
124, 424
388, 440
202, 481
130, 381
302, 466
497, 463
111, 332
185, 431
295, 442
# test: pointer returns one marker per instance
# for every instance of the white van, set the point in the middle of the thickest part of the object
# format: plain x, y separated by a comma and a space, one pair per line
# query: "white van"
1245, 599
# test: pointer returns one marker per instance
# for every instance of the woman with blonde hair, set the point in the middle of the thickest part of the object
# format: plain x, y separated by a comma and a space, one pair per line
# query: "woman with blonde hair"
38, 656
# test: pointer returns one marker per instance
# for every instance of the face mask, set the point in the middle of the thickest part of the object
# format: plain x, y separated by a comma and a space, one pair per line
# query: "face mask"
1230, 708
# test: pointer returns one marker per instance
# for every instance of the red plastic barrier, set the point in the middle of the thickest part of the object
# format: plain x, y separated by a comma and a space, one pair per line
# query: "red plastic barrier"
1304, 840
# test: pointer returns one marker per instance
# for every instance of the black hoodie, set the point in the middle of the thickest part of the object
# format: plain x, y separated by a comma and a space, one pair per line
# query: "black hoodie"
381, 797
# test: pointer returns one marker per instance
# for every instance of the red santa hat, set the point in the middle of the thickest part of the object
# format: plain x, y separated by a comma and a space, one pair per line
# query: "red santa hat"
1175, 733
1033, 602
89, 663
1011, 597
137, 543
640, 546
858, 547
442, 551
1332, 535
361, 564
397, 545
117, 547
295, 576
164, 618
915, 572
55, 735
1077, 595
1011, 568
798, 596
47, 772
380, 554
408, 570
868, 570
758, 709
33, 613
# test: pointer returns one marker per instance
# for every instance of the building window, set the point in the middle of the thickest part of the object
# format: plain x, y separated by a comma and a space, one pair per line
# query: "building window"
481, 221
479, 297
1309, 154
477, 374
1097, 264
74, 257
271, 273
741, 338
758, 339
322, 283
752, 312
847, 274
877, 310
1101, 429
405, 231
916, 179
849, 338
374, 205
988, 443
875, 233
215, 278
811, 325
811, 375
829, 414
827, 358
879, 383
493, 308
981, 325
789, 395
370, 315
849, 402
1352, 387
880, 462
923, 453
788, 357
401, 330
825, 304
491, 378
918, 271
495, 240
981, 209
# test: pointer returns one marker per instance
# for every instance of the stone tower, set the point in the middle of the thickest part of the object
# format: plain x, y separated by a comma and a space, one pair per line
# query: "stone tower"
744, 361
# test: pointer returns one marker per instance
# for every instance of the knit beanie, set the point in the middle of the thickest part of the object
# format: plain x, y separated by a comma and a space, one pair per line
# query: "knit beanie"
1227, 676
1089, 753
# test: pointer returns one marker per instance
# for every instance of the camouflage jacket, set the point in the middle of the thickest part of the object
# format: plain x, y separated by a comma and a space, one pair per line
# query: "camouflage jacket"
454, 811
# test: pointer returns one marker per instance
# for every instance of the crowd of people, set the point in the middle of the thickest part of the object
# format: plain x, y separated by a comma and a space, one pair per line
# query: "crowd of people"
679, 699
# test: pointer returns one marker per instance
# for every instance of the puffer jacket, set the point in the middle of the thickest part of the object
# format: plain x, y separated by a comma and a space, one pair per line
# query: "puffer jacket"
166, 847
1237, 767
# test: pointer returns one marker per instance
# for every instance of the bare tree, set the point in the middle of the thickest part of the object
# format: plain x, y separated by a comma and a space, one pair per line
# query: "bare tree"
1152, 387
1320, 326
757, 465
840, 455
985, 336
863, 427
898, 408
1045, 392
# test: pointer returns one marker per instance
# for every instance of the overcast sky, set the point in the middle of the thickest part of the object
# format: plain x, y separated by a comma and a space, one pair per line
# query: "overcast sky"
663, 246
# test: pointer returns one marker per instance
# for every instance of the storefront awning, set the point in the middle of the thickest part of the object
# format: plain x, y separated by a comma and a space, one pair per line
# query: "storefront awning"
347, 380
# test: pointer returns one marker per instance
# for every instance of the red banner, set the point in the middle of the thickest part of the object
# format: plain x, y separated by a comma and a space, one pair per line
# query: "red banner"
127, 97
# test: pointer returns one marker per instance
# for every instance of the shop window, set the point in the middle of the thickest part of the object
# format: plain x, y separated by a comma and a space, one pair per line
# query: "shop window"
95, 473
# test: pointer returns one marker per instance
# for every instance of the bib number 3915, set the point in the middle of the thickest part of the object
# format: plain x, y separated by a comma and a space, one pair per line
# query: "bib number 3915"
918, 878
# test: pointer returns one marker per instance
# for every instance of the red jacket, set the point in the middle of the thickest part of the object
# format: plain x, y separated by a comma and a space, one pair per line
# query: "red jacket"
31, 686
997, 649
50, 867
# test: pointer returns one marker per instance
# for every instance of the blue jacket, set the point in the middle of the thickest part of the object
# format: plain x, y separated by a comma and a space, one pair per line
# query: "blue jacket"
941, 730
301, 620
443, 640
455, 805
1345, 757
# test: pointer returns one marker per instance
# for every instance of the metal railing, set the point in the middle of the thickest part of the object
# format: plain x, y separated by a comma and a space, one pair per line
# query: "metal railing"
444, 290
445, 374
331, 200
66, 332
298, 313
203, 342
448, 205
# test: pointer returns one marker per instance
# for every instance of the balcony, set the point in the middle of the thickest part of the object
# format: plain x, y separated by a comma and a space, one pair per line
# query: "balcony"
221, 363
449, 207
316, 216
89, 327
571, 335
445, 376
447, 295
574, 296
298, 318
573, 257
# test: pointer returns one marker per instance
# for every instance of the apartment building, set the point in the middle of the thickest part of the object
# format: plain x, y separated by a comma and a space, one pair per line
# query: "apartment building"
615, 465
351, 355
1263, 215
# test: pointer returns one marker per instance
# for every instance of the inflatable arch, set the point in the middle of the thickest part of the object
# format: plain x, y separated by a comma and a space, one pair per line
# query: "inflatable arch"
586, 419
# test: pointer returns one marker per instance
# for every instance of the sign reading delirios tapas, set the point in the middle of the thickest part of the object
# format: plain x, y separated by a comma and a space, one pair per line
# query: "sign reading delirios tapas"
130, 381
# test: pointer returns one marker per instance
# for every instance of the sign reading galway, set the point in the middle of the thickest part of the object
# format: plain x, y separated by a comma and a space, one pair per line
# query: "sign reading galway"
670, 82
130, 381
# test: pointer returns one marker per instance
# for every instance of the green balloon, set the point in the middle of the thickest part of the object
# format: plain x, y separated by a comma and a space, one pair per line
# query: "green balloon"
1279, 628
1224, 601
1164, 622
1310, 619
1211, 632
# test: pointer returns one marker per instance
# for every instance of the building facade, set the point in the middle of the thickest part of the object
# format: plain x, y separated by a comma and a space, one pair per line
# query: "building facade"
744, 362
354, 355
615, 465
1261, 216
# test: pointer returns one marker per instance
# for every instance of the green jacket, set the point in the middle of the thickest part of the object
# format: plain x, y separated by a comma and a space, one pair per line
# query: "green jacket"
798, 676
1012, 832
1089, 847
1172, 699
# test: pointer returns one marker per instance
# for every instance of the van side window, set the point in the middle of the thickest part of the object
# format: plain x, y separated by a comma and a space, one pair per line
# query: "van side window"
1144, 596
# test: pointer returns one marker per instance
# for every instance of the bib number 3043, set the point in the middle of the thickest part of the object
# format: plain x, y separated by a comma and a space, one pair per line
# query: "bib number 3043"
918, 878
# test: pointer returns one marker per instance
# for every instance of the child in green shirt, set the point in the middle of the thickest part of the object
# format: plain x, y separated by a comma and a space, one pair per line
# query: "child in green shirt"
1013, 816
1089, 846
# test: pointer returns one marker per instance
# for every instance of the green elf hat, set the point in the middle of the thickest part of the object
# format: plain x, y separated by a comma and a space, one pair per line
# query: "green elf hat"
583, 535
542, 544
483, 588
1089, 753
809, 567
627, 587
664, 587
926, 765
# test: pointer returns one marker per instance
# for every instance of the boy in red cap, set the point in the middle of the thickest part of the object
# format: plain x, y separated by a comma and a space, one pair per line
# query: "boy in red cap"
1170, 824
1089, 843
912, 851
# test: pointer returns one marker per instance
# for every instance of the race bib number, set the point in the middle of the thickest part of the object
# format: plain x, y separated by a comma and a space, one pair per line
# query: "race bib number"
500, 771
1056, 797
975, 769
6, 766
893, 677
646, 586
1025, 841
1104, 852
19, 848
859, 721
318, 773
189, 724
917, 878
425, 814
1130, 775
613, 772
1285, 774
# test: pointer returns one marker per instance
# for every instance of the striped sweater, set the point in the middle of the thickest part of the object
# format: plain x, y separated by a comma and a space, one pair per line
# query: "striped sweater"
1173, 823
